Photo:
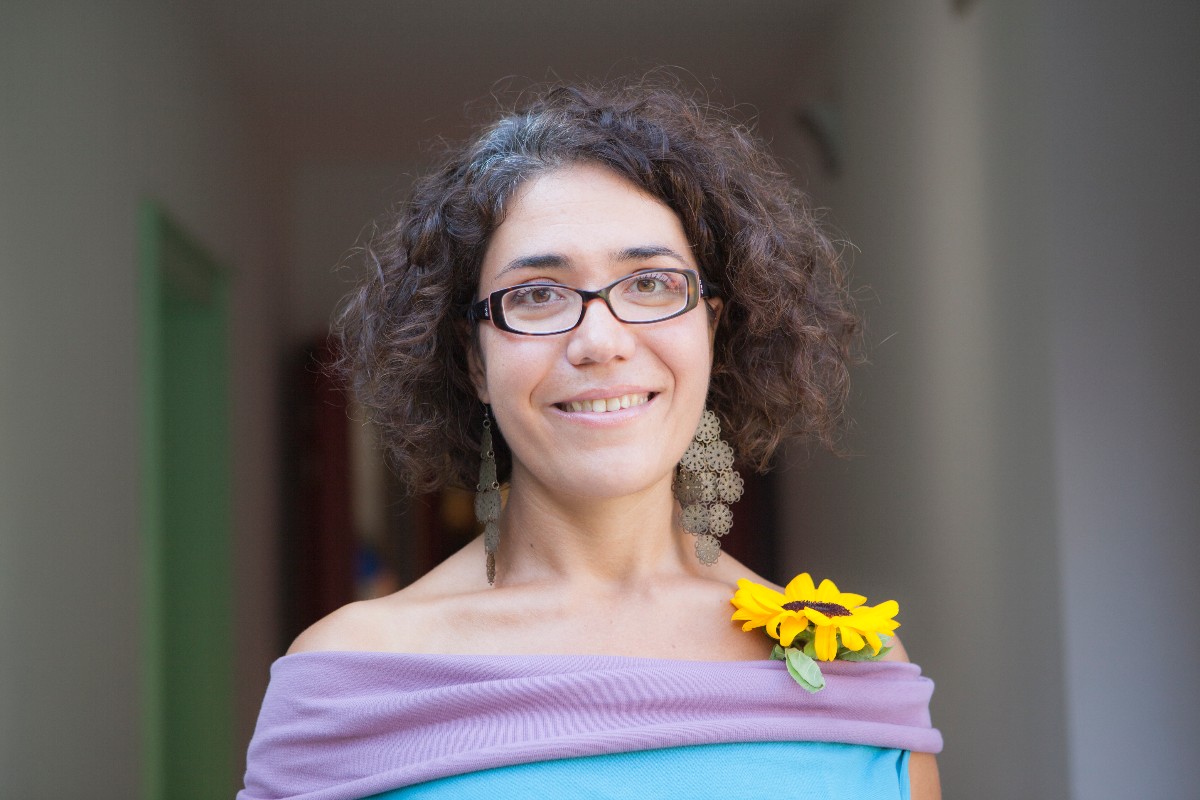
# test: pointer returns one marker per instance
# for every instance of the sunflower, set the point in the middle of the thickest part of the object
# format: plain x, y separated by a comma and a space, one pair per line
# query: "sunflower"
821, 616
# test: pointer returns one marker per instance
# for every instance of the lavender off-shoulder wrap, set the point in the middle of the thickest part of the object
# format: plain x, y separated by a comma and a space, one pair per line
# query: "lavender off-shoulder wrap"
339, 726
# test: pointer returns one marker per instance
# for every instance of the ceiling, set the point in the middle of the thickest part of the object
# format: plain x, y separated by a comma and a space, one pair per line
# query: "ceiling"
357, 77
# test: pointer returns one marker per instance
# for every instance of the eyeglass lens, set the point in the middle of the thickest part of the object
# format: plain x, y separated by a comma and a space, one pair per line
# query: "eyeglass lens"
643, 297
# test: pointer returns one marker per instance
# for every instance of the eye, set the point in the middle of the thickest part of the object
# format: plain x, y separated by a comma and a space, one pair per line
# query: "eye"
534, 295
656, 283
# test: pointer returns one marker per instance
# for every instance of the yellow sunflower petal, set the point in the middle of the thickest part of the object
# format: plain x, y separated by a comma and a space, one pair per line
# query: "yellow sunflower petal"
873, 622
751, 620
753, 609
864, 622
828, 591
875, 642
826, 642
791, 626
867, 616
747, 614
755, 603
765, 595
749, 586
850, 600
774, 622
851, 639
744, 597
888, 608
801, 587
817, 617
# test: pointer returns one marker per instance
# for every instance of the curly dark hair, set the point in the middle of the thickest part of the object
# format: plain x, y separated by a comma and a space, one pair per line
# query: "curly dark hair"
787, 335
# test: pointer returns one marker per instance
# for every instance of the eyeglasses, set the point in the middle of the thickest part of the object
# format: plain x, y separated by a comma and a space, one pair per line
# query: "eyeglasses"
544, 309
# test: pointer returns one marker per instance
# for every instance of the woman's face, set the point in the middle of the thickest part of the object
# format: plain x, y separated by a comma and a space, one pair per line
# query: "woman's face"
584, 226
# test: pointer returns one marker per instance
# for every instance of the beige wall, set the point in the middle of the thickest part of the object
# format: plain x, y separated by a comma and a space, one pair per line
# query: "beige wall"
1122, 202
102, 105
331, 207
947, 504
1021, 181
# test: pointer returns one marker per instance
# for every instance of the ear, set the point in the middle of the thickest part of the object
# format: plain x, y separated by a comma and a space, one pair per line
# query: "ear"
477, 369
715, 306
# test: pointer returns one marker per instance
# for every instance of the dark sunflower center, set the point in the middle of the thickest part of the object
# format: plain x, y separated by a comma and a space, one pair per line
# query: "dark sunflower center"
828, 609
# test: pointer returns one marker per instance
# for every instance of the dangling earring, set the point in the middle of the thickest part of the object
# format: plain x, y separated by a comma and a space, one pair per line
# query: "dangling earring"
487, 497
704, 486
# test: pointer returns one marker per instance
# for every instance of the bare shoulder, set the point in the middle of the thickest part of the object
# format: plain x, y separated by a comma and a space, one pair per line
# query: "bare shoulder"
897, 653
369, 625
412, 620
728, 571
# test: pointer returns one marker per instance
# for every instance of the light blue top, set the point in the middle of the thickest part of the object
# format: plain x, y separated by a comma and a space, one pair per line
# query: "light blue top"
795, 770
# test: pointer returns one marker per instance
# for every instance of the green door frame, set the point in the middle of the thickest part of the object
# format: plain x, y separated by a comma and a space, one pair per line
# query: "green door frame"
187, 630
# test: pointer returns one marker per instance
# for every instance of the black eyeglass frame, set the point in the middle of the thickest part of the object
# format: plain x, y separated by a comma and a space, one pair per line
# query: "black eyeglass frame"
492, 308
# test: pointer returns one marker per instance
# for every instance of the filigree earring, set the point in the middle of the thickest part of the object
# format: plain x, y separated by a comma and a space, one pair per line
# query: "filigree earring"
487, 497
704, 486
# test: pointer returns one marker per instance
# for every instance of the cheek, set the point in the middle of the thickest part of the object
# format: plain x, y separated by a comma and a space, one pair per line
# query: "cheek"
689, 355
511, 367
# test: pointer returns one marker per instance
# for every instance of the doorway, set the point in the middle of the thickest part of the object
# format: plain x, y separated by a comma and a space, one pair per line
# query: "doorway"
187, 576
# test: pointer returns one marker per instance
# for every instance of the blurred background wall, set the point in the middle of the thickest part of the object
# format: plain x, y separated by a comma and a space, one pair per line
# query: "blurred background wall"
1020, 183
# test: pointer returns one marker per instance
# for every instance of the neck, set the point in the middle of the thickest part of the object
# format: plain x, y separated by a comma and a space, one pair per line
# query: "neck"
547, 536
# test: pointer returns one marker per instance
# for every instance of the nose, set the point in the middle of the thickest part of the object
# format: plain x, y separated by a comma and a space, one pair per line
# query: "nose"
600, 337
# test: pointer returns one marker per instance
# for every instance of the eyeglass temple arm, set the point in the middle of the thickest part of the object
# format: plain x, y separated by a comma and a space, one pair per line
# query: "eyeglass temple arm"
480, 310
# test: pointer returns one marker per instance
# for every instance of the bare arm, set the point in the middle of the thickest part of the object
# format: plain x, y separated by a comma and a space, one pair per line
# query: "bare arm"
923, 780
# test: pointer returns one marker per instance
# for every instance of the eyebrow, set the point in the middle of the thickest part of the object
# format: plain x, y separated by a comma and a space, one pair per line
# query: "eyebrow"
650, 251
556, 260
525, 262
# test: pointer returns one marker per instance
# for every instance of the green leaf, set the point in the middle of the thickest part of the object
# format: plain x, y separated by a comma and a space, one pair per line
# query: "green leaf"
810, 649
804, 670
777, 653
865, 654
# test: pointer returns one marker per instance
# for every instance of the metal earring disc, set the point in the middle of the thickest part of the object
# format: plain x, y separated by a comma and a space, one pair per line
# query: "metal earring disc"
487, 497
705, 483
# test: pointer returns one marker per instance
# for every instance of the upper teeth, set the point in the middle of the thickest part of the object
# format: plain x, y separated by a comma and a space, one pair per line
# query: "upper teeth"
608, 404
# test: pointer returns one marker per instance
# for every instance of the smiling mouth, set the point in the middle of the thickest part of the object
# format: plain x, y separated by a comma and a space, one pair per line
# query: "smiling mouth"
605, 405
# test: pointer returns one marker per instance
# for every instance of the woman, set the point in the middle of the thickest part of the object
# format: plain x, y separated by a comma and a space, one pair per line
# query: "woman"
558, 308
